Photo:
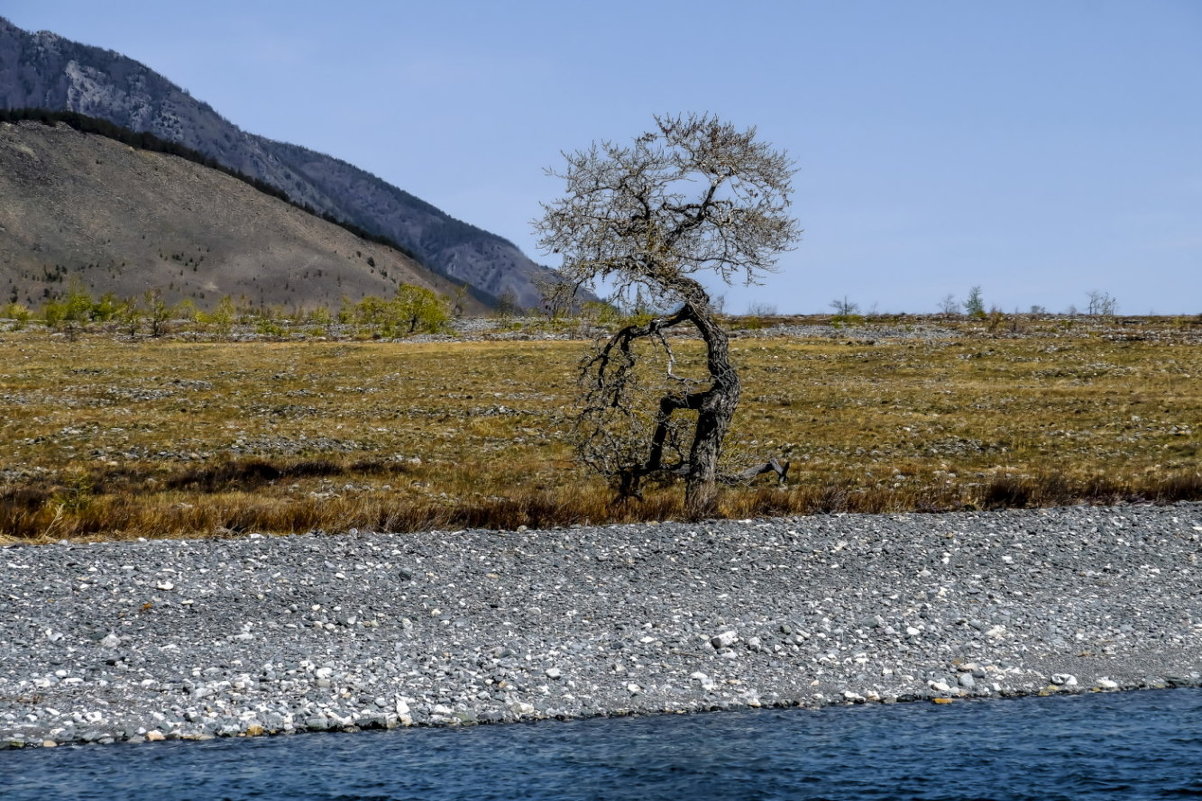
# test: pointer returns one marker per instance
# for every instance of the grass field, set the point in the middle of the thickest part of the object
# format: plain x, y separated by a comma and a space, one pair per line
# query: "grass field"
108, 438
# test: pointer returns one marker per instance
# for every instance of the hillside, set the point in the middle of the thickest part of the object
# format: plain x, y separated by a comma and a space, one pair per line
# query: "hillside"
43, 70
125, 220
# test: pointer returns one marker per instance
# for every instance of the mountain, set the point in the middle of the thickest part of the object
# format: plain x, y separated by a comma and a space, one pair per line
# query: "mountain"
84, 207
43, 70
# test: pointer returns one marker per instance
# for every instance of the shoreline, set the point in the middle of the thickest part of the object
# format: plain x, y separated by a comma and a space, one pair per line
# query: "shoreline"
193, 639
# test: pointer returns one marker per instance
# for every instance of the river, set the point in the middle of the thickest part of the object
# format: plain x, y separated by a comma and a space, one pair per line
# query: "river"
1138, 745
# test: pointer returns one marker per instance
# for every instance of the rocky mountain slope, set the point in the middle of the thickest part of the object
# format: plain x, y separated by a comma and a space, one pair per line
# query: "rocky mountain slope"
43, 70
86, 207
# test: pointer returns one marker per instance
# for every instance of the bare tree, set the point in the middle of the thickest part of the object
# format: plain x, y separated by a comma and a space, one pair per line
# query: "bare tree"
1101, 303
693, 195
844, 308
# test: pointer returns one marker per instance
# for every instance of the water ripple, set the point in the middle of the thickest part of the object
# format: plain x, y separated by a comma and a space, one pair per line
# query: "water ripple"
1117, 746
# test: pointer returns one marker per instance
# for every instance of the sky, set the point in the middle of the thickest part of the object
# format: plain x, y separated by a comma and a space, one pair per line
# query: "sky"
1039, 150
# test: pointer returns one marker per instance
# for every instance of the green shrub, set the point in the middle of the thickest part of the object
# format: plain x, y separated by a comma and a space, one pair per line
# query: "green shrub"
421, 310
18, 313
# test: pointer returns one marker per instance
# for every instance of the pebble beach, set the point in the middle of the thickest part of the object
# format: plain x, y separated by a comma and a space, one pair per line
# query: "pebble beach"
194, 639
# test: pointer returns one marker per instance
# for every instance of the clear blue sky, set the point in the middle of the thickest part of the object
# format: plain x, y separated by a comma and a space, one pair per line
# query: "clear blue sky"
1037, 149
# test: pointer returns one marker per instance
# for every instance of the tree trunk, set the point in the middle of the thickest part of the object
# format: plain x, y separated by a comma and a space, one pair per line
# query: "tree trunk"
717, 407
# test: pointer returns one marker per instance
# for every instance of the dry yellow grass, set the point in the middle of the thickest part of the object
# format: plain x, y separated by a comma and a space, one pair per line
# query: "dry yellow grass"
109, 439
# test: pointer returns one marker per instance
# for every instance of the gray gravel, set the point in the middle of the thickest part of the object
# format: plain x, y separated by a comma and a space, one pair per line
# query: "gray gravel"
201, 638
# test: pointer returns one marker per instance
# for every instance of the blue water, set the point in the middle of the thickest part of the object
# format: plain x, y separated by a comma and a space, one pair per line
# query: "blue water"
1144, 745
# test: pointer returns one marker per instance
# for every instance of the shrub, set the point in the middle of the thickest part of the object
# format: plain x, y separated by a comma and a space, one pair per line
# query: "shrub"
16, 312
221, 319
421, 310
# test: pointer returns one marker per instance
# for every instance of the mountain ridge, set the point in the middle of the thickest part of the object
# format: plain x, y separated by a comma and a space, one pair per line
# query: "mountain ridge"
45, 70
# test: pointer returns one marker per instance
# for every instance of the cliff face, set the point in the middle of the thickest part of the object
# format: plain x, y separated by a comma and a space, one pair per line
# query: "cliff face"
43, 70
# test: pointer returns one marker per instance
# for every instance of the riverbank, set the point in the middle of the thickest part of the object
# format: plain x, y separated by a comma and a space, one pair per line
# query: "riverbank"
192, 639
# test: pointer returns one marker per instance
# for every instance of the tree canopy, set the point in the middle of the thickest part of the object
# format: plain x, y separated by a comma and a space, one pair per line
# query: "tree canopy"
694, 195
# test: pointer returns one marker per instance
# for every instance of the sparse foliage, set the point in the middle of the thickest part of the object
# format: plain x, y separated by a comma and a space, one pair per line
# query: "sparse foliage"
221, 318
693, 195
507, 305
1102, 303
974, 304
758, 309
157, 311
845, 310
71, 313
129, 317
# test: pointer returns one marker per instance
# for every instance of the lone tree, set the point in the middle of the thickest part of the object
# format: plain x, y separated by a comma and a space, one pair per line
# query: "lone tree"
693, 195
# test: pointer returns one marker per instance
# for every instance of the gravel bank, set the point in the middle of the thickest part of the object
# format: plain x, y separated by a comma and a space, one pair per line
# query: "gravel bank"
194, 638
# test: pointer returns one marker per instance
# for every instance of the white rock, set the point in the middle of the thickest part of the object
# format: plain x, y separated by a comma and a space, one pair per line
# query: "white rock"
554, 673
724, 639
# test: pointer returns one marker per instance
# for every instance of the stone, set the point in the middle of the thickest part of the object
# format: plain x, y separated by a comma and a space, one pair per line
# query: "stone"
724, 640
553, 673
967, 681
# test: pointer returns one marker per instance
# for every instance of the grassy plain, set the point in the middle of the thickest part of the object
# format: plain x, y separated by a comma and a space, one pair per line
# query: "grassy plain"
108, 438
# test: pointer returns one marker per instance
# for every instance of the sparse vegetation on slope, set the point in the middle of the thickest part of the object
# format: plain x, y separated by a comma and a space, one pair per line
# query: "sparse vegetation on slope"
143, 140
90, 210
